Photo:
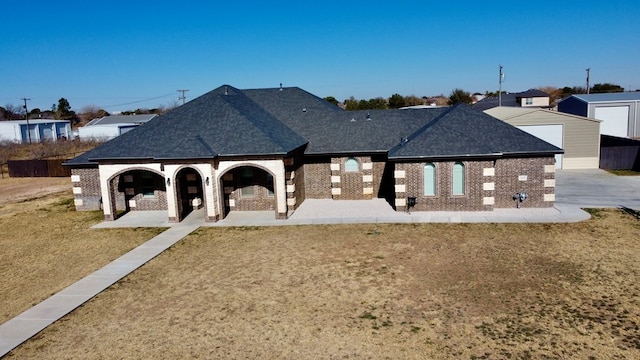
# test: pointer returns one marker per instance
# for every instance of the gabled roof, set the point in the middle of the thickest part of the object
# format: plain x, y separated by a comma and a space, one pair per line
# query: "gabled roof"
231, 122
121, 119
606, 97
506, 113
508, 99
465, 132
531, 93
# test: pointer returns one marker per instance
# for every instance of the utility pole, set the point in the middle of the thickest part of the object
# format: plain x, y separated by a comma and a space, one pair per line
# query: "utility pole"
26, 117
500, 87
182, 97
588, 71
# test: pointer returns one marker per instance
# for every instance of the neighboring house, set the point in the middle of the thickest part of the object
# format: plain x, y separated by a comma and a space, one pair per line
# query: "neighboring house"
526, 99
619, 112
578, 136
35, 130
108, 127
270, 149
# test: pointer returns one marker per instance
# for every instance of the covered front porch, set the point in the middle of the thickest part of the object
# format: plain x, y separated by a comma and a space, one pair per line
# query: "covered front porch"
178, 190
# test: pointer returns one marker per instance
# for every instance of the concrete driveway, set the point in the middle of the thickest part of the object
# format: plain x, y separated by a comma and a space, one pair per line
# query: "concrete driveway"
597, 188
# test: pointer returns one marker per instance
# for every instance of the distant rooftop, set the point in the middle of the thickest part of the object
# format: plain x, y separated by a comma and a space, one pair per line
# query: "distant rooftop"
604, 97
122, 119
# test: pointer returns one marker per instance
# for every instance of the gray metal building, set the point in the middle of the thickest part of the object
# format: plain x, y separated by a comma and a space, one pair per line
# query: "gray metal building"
619, 112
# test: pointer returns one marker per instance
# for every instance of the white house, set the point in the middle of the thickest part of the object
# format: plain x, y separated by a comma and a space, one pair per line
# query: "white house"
108, 127
36, 130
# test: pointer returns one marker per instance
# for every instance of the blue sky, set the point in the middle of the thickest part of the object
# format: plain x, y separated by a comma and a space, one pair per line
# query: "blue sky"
116, 54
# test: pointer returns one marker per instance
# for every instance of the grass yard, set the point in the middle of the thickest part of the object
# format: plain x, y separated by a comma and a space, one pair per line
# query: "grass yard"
46, 245
430, 291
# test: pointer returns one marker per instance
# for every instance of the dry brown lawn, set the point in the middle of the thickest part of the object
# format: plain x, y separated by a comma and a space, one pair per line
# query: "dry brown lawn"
46, 246
430, 291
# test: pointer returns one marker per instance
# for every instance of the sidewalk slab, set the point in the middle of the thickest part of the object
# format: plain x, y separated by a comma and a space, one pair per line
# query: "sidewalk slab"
32, 321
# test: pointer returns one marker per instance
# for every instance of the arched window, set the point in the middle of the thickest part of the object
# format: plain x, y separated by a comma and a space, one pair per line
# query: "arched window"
430, 180
458, 179
351, 165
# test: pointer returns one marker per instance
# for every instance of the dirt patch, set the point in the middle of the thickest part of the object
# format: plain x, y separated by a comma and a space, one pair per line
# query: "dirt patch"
437, 291
21, 189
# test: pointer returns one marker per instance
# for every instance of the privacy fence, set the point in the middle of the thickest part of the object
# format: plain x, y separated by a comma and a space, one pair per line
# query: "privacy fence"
38, 168
618, 153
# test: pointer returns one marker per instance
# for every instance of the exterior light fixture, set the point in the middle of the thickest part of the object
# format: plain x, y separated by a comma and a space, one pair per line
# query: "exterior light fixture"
168, 181
207, 181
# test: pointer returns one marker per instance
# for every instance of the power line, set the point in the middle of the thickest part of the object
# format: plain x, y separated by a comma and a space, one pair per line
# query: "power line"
139, 101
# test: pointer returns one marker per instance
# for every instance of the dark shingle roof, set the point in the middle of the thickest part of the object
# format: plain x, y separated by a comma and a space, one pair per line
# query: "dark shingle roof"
466, 132
228, 122
508, 99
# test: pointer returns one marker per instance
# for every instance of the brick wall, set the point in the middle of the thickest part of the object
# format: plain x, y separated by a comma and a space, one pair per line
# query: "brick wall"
261, 200
410, 182
128, 192
86, 189
528, 175
317, 178
488, 185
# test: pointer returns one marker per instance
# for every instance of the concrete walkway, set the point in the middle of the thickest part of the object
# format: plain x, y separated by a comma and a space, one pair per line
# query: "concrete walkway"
32, 321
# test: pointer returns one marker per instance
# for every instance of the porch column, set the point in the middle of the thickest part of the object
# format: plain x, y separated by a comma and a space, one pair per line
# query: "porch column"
280, 189
105, 191
172, 207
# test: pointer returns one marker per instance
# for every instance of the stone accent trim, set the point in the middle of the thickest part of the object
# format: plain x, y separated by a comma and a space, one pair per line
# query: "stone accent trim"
489, 186
489, 172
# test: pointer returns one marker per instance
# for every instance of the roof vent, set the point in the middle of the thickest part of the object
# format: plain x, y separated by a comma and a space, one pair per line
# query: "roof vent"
304, 109
280, 86
368, 116
353, 119
226, 90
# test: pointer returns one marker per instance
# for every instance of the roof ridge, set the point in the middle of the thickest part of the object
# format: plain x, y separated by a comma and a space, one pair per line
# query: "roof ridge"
422, 129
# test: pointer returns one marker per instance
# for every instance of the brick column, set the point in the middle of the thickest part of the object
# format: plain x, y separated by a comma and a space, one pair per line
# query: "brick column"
400, 177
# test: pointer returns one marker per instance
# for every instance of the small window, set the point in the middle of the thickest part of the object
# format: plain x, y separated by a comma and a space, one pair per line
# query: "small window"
147, 185
529, 101
430, 180
269, 185
351, 165
246, 183
458, 179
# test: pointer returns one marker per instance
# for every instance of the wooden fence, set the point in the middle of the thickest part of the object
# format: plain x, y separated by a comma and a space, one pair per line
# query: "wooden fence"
38, 168
619, 153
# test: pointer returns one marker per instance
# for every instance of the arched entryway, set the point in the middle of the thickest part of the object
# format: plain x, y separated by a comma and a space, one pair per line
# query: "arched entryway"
137, 190
189, 191
248, 188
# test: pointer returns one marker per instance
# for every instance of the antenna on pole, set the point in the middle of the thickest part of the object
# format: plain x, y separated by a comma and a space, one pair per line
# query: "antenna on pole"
500, 87
182, 96
26, 117
588, 72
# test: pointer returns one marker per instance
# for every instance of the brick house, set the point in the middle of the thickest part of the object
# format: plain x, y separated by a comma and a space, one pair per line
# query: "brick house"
270, 149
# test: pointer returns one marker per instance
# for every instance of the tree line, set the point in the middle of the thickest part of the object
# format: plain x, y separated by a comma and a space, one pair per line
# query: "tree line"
458, 96
62, 110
